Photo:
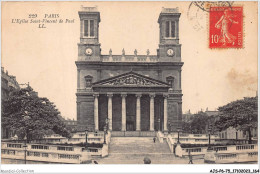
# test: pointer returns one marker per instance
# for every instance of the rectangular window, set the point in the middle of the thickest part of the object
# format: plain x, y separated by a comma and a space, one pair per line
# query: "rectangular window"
40, 147
68, 156
11, 152
36, 154
65, 148
45, 155
172, 28
30, 153
14, 145
167, 29
91, 28
86, 28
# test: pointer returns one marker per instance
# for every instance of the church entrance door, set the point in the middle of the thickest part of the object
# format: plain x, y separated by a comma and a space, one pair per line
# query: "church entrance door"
129, 126
130, 112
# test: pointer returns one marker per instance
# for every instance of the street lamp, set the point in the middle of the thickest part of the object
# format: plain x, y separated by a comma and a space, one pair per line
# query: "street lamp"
25, 149
105, 131
209, 131
178, 130
86, 131
26, 118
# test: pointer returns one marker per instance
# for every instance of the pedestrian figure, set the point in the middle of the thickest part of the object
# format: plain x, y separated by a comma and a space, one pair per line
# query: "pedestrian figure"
190, 158
147, 160
154, 139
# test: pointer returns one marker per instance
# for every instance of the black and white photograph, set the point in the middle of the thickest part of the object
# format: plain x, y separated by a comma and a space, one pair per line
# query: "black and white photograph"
136, 82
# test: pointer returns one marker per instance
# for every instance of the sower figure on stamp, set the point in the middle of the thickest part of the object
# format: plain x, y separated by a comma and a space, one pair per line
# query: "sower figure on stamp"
224, 23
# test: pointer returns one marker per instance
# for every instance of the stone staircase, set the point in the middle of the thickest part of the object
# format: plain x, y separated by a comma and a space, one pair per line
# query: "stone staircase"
132, 150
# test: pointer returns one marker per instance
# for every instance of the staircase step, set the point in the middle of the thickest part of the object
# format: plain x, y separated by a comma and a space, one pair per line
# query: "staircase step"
132, 150
137, 145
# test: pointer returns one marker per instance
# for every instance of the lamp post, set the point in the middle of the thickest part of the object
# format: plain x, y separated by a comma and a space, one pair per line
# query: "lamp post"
105, 131
236, 130
86, 131
26, 118
178, 130
25, 148
209, 131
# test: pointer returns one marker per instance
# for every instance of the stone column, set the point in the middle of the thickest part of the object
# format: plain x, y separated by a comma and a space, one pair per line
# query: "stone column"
96, 111
123, 112
165, 112
152, 112
138, 112
109, 112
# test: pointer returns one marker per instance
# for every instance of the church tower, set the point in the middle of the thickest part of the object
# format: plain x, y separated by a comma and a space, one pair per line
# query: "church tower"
169, 47
89, 46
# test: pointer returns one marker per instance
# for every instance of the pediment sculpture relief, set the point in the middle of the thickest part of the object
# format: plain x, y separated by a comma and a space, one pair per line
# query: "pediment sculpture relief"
131, 80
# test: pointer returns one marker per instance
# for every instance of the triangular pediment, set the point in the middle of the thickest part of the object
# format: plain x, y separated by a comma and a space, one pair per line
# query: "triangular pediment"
130, 79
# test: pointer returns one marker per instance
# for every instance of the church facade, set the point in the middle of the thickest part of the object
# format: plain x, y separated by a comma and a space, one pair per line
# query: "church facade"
129, 92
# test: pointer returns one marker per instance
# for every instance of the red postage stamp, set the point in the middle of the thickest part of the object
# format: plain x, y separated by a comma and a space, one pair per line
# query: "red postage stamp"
226, 27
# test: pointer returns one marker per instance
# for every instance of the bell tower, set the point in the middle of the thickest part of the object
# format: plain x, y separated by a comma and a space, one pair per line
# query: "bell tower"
169, 47
89, 46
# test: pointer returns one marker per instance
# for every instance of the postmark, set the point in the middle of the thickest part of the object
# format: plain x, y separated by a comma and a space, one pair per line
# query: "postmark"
226, 27
198, 12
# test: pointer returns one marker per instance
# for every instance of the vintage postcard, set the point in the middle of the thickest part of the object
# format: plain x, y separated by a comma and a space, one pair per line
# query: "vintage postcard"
119, 82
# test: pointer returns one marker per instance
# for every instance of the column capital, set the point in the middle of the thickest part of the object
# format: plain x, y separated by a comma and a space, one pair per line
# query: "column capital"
138, 95
95, 94
123, 95
110, 95
152, 95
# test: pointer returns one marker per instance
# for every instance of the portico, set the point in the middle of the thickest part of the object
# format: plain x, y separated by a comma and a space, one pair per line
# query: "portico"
138, 112
131, 102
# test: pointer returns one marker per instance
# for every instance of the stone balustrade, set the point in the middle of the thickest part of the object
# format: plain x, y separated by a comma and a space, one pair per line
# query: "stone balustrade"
129, 58
52, 153
220, 151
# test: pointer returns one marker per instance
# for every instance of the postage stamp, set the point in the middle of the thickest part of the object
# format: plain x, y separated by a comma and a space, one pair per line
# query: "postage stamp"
226, 27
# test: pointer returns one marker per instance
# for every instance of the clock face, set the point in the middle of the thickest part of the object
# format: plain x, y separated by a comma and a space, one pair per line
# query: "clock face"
89, 51
170, 52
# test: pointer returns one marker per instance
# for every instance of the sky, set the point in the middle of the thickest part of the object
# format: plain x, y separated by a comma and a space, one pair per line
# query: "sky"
46, 57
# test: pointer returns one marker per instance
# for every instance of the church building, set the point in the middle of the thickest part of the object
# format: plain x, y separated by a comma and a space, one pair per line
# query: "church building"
123, 93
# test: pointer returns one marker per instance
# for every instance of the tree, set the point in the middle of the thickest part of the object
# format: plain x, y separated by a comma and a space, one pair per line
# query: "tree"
240, 114
26, 113
197, 124
186, 127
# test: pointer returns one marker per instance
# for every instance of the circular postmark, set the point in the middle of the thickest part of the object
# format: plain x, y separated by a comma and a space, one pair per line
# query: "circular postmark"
198, 12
